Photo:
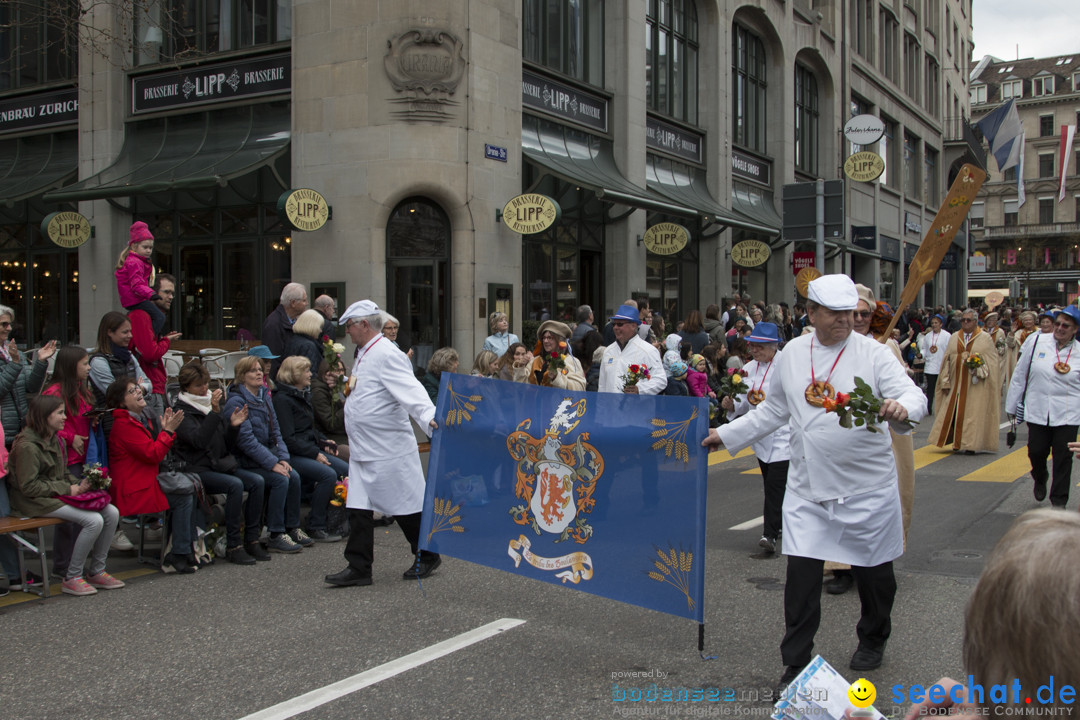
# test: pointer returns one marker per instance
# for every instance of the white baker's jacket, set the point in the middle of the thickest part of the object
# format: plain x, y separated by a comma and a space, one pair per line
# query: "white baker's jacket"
1052, 398
932, 361
636, 352
385, 394
774, 447
829, 462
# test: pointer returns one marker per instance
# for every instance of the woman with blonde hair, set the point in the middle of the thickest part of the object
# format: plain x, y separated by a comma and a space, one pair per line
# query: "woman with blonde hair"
310, 452
484, 364
306, 338
500, 339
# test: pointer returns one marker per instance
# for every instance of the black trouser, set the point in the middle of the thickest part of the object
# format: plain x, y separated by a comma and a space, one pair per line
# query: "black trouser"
1041, 440
802, 606
931, 386
360, 547
774, 477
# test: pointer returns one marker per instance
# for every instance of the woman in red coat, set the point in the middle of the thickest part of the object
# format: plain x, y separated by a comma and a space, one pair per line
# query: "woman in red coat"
136, 447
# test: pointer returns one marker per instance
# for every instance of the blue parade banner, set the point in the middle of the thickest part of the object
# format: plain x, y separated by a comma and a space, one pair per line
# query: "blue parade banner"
599, 492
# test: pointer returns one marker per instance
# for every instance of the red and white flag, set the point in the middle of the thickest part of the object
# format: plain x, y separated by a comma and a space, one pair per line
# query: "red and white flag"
1068, 132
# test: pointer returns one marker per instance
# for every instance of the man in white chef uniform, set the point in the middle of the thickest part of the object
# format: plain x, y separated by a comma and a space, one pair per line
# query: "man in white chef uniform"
842, 501
384, 462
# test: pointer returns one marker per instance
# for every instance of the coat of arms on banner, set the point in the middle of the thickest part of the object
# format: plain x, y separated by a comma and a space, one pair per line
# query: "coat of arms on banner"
555, 478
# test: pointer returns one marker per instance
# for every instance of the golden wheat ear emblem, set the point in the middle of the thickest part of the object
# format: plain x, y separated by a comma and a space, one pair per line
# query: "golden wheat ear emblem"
673, 568
447, 517
461, 405
670, 437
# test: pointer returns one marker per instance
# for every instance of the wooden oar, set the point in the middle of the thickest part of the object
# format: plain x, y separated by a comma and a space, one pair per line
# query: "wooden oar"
925, 264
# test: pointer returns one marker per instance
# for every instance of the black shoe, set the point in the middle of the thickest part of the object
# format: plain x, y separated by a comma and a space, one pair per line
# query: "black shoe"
239, 556
767, 543
348, 576
790, 673
1040, 490
322, 536
256, 550
177, 564
422, 569
840, 584
866, 658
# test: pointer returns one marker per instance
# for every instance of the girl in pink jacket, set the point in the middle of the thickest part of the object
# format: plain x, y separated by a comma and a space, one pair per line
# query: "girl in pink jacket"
697, 378
135, 276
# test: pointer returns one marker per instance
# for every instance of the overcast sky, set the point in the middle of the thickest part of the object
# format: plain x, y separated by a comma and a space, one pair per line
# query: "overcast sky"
1042, 28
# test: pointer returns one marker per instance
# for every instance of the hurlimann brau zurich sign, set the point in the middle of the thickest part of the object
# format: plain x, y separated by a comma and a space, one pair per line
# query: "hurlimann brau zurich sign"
212, 83
40, 110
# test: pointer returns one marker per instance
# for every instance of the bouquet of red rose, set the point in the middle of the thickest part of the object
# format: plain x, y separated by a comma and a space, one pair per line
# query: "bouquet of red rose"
633, 374
97, 476
859, 409
556, 359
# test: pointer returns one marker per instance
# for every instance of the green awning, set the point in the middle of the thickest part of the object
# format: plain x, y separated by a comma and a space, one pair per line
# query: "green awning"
755, 205
188, 152
589, 161
687, 186
31, 165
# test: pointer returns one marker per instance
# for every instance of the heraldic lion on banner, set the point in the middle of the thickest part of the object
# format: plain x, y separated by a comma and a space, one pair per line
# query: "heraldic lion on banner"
556, 475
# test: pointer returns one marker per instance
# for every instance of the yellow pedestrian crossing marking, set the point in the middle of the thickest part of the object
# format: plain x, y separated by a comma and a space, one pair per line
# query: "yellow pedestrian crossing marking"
1013, 466
930, 454
723, 456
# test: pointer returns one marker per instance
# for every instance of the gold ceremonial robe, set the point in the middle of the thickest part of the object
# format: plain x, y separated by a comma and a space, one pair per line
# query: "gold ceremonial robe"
1001, 351
968, 410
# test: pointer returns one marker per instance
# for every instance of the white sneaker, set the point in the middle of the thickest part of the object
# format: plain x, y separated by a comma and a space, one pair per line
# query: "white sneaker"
120, 542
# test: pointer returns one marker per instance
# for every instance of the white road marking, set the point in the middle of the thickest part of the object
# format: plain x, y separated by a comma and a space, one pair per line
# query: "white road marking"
315, 698
749, 524
1004, 425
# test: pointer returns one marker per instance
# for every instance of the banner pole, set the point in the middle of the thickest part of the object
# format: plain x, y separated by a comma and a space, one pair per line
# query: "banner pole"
701, 637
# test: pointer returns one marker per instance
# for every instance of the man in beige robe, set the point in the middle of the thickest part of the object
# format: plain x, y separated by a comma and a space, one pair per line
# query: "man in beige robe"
969, 406
997, 335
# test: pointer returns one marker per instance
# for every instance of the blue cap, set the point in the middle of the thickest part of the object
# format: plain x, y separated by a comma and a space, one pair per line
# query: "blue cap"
627, 312
262, 351
1073, 312
763, 332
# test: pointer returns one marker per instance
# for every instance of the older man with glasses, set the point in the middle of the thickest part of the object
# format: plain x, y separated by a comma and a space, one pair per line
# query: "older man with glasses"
1047, 383
968, 397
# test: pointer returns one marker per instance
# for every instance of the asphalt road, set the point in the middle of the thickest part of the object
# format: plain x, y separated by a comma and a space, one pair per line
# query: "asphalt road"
231, 642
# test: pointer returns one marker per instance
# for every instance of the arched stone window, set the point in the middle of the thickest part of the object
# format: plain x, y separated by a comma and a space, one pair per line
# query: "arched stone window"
418, 276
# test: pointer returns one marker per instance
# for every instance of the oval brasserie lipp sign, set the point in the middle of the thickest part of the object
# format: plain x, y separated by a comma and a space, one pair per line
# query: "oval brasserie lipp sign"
530, 213
665, 238
303, 209
864, 166
750, 253
66, 229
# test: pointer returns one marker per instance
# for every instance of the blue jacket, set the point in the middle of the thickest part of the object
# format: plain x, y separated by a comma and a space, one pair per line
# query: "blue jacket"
258, 442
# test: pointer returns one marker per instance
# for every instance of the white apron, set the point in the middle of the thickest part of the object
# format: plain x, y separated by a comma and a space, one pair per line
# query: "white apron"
384, 464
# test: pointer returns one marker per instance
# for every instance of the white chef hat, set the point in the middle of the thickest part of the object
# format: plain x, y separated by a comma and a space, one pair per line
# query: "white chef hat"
835, 292
359, 309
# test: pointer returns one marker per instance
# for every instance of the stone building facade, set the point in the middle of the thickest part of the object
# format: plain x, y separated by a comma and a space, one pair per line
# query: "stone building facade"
419, 121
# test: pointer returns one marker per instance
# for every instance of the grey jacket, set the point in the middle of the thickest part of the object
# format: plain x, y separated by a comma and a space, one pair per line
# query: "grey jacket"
17, 381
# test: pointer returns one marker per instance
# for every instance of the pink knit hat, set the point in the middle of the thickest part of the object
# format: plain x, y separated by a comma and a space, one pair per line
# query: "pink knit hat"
139, 232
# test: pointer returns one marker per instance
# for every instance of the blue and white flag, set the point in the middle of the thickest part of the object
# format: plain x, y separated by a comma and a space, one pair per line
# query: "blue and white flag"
1005, 134
598, 492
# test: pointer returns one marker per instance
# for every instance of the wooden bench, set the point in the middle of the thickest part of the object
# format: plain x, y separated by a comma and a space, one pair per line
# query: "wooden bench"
14, 526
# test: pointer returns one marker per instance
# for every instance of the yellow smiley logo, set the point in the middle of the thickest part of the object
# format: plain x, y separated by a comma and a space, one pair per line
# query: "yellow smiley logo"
862, 693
